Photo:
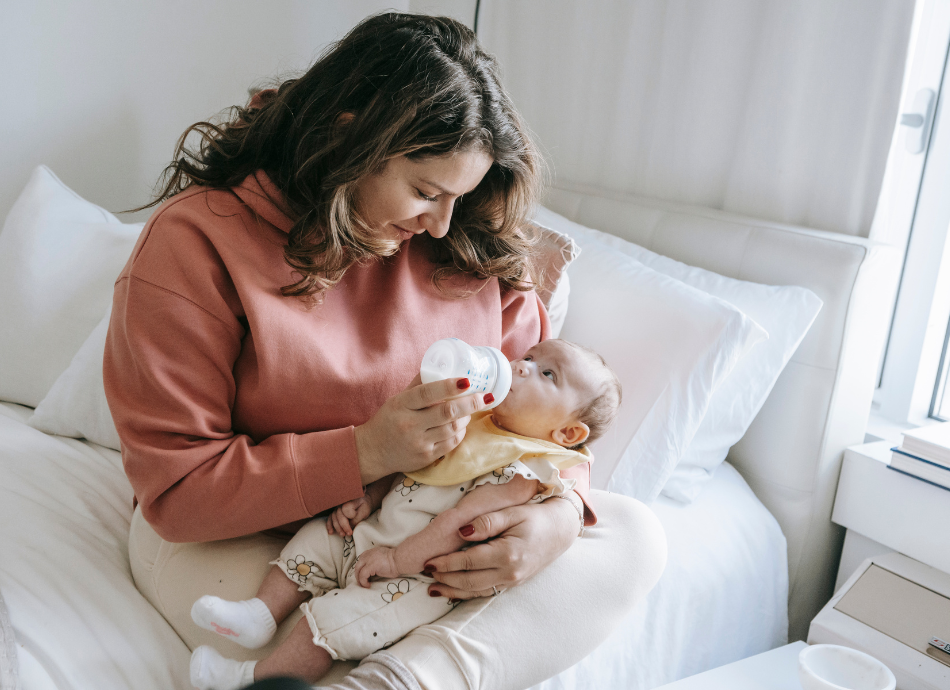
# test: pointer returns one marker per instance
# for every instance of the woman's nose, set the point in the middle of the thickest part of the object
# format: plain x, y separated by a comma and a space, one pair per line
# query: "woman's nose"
436, 221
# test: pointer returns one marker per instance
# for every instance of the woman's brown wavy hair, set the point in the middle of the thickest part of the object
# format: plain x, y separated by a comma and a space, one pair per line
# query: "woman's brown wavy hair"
416, 86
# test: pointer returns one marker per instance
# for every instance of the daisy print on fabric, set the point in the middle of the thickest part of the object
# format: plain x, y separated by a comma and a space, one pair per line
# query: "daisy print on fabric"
347, 545
299, 569
395, 590
406, 487
505, 473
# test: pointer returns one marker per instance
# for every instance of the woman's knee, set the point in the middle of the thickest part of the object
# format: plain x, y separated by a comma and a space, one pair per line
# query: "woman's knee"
636, 543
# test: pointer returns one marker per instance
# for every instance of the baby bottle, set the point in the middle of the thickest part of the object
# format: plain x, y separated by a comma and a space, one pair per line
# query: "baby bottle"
486, 368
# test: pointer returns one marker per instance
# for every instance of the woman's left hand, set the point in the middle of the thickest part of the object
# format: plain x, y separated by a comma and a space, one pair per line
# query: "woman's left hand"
523, 540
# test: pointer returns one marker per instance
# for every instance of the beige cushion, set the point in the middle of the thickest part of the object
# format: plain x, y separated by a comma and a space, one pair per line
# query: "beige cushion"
552, 254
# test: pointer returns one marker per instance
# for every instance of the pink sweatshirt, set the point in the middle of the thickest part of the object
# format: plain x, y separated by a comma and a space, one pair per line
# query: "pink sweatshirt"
236, 405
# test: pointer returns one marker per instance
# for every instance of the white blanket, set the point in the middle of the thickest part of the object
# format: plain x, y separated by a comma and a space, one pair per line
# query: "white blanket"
79, 622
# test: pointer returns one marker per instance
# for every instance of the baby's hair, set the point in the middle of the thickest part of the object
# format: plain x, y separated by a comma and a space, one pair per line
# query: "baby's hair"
599, 413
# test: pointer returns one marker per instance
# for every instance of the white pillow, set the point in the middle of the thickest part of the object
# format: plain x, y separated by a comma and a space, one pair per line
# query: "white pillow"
59, 258
786, 313
76, 404
671, 346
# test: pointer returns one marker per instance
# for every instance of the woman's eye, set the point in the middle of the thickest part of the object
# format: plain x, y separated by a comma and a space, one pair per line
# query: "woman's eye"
427, 198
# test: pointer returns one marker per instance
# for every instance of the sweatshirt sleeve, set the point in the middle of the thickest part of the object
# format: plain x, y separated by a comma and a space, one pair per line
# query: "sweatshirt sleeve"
168, 378
524, 322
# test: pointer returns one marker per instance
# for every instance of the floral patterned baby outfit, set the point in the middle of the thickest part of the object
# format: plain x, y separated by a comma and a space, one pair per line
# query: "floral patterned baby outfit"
350, 621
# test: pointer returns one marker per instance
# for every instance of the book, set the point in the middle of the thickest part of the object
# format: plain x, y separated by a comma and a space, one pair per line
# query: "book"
920, 468
929, 443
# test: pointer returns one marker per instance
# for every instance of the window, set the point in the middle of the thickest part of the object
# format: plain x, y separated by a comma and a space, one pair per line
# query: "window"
914, 375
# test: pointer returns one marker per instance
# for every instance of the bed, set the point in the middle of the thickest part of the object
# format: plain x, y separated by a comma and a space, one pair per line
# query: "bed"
751, 559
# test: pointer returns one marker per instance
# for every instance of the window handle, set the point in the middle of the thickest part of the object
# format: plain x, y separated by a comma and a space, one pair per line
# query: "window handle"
919, 121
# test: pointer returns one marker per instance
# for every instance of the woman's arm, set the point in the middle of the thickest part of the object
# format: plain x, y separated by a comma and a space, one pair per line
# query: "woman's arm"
168, 372
168, 377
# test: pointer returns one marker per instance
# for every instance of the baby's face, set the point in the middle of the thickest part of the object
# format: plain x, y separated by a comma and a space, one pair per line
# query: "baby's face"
552, 382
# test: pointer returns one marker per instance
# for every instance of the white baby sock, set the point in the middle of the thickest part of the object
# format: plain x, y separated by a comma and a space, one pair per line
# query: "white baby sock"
211, 671
248, 622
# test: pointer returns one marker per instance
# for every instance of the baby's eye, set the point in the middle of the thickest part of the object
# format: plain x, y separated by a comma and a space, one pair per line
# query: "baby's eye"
526, 358
427, 198
548, 373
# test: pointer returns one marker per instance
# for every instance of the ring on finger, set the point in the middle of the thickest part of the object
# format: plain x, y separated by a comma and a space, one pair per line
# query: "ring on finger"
496, 591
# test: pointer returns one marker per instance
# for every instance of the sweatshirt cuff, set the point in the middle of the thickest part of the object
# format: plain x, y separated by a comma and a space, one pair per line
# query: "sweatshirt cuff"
328, 468
590, 517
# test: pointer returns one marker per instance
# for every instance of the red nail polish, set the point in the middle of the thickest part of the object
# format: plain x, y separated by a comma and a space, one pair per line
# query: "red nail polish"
467, 530
427, 572
435, 593
489, 398
429, 566
463, 384
455, 601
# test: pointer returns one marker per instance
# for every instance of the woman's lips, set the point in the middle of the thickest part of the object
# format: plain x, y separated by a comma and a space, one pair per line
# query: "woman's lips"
404, 234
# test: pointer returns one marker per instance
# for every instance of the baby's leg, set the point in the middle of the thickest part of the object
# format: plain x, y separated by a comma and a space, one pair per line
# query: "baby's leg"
312, 560
296, 656
442, 536
252, 622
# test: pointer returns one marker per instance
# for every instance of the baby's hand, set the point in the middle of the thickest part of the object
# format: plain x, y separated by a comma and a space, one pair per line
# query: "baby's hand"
380, 561
349, 515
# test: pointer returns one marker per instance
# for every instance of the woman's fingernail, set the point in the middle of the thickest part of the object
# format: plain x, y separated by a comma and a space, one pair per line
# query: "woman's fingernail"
489, 398
429, 567
435, 593
455, 601
467, 530
427, 572
463, 384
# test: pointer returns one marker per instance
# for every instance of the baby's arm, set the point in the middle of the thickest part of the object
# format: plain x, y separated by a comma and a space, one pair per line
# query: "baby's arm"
441, 536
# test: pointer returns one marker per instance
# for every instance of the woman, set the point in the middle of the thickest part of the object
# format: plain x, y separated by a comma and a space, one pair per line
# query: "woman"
274, 310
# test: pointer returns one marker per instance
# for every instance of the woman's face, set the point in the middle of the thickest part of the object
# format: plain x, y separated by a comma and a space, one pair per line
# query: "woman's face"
408, 197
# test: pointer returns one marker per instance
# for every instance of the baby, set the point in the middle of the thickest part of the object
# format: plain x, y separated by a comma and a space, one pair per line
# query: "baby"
562, 396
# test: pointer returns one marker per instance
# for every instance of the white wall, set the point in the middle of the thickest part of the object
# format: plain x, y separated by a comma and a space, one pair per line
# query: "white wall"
101, 90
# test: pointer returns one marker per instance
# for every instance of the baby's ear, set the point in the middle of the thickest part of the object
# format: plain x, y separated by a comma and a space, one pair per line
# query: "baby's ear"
572, 434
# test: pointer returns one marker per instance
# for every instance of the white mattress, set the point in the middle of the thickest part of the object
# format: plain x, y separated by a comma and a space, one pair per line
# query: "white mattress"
79, 622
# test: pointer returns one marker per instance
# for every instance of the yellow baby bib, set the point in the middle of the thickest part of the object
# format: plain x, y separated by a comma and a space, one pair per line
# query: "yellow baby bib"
488, 447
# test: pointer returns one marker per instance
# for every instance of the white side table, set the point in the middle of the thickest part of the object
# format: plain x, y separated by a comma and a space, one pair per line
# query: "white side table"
886, 511
776, 669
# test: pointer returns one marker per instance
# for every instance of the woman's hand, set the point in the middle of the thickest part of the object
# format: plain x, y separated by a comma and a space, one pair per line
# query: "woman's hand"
415, 428
527, 538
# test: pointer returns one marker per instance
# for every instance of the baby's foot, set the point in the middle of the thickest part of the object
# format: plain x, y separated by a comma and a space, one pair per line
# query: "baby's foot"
248, 622
211, 671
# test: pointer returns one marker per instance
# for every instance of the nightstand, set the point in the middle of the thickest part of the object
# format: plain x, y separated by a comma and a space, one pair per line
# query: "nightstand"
891, 608
885, 511
776, 669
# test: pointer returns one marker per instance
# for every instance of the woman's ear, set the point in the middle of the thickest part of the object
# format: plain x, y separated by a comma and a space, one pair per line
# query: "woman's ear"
574, 433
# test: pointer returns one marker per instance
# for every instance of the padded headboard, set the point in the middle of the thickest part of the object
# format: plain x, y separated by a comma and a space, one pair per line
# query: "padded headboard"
792, 453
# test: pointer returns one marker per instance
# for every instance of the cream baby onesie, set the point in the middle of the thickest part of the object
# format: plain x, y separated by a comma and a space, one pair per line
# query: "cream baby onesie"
350, 621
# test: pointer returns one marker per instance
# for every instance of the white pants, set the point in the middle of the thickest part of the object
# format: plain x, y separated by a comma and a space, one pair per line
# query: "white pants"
507, 642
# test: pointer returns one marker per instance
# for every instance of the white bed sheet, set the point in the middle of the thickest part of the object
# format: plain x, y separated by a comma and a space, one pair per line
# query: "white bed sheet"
722, 597
65, 507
